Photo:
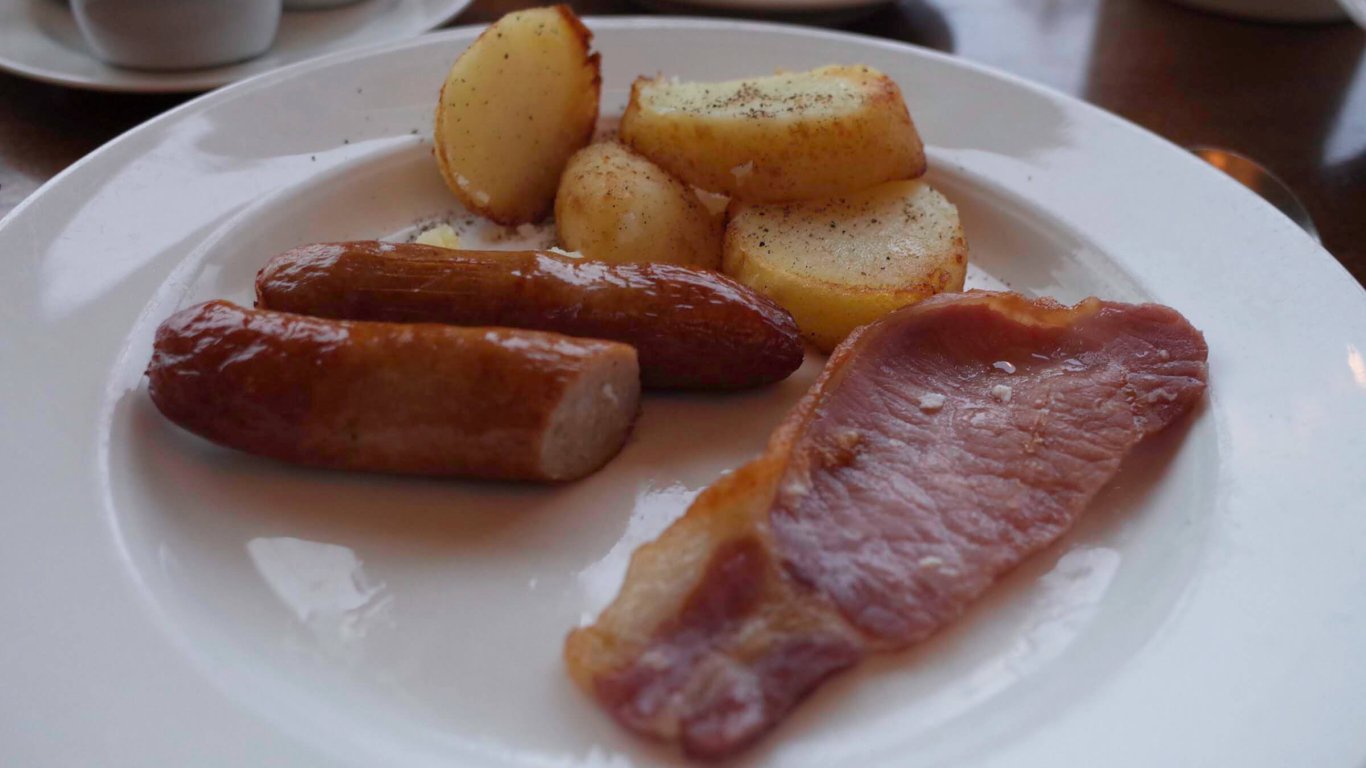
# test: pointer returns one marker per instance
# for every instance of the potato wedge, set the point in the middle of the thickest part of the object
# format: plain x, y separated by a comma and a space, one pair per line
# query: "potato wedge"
791, 136
616, 206
845, 261
516, 104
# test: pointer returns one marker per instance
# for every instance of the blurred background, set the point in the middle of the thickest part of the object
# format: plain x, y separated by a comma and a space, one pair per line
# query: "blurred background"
1291, 95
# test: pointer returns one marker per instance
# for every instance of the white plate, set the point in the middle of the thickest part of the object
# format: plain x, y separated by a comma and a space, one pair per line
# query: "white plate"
171, 603
39, 39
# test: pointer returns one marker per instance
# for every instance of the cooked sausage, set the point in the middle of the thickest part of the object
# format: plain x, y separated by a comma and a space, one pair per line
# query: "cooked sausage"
416, 399
693, 328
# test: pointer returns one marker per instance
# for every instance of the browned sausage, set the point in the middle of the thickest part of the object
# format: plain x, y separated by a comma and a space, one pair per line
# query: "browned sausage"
414, 399
693, 328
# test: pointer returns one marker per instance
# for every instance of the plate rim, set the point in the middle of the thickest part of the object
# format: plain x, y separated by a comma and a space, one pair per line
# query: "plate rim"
633, 20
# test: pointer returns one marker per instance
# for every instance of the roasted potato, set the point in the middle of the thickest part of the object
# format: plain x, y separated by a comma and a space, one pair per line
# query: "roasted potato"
845, 261
614, 205
791, 136
516, 104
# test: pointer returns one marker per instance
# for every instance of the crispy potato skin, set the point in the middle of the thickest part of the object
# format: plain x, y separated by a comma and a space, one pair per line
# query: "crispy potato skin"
693, 328
845, 261
515, 106
415, 399
786, 137
616, 206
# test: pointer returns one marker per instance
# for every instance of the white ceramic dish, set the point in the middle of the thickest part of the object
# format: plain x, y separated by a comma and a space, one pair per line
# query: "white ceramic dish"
39, 39
170, 603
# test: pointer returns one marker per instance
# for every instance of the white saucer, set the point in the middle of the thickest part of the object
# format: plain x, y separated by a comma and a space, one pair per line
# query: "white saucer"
39, 39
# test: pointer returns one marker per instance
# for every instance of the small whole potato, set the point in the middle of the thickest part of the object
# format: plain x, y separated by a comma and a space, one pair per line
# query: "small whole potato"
614, 205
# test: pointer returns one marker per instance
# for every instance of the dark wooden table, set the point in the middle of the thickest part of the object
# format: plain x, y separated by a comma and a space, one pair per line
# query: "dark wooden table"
1293, 97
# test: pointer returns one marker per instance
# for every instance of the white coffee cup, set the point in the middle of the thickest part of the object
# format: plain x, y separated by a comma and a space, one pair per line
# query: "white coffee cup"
177, 34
